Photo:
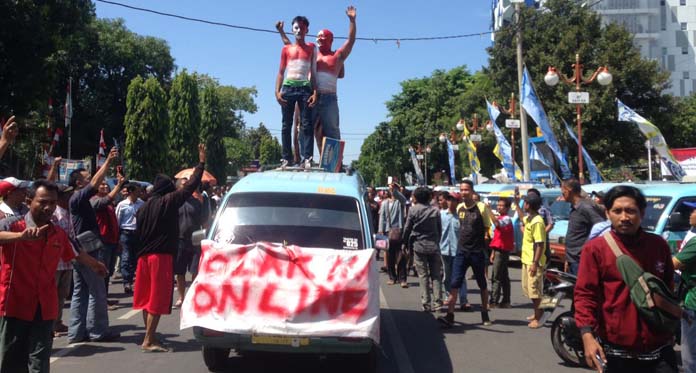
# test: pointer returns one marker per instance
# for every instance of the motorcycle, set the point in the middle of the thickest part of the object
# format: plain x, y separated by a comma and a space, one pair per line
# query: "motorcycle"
565, 335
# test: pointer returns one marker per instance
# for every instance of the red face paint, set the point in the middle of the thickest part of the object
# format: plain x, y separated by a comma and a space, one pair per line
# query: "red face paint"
324, 40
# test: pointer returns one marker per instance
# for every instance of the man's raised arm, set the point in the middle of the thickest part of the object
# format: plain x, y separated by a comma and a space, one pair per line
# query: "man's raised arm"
348, 45
101, 173
283, 36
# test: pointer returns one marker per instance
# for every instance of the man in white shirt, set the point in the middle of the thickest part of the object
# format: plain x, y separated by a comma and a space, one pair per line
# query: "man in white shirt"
125, 214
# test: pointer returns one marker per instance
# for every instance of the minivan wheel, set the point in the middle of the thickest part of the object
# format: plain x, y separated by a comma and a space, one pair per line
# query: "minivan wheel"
215, 358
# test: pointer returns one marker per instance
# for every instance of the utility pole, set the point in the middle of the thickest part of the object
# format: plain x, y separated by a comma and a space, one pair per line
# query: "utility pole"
523, 115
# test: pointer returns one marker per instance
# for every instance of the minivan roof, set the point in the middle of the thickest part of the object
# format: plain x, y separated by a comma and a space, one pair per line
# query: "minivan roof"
319, 182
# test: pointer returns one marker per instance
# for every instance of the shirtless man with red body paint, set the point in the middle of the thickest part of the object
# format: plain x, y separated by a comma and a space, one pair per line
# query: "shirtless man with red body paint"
296, 84
330, 67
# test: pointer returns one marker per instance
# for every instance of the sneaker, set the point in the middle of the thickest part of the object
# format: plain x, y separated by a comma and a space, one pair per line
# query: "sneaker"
447, 321
307, 163
404, 284
485, 319
466, 308
60, 328
391, 282
108, 337
504, 305
284, 163
128, 289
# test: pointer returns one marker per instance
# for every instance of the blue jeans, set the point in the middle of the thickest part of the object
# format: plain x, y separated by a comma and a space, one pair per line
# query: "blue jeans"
688, 343
88, 309
462, 262
108, 257
573, 267
447, 261
327, 112
299, 96
129, 248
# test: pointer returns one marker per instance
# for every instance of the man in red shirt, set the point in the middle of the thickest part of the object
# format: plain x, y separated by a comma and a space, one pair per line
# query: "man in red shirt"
30, 247
609, 322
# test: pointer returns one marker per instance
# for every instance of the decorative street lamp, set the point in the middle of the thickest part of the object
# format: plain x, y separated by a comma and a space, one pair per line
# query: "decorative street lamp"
511, 123
603, 77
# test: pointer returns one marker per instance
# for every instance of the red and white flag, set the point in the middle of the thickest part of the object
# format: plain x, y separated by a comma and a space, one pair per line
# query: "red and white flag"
68, 104
56, 138
101, 157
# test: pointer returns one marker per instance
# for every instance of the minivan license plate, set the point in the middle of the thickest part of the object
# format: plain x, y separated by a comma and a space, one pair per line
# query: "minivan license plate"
279, 340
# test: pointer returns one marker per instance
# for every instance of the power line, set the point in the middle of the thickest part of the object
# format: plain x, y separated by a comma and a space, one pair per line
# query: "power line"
215, 23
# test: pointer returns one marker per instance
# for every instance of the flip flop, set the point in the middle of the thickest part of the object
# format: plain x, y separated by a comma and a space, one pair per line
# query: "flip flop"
530, 318
534, 325
154, 348
178, 303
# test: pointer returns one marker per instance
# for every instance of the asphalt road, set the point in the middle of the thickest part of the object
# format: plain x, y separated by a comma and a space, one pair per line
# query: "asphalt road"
412, 341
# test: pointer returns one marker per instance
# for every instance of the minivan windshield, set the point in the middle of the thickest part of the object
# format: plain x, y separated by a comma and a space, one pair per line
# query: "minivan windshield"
307, 220
654, 209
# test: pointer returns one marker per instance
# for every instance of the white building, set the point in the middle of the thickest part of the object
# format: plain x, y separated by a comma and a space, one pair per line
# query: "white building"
664, 30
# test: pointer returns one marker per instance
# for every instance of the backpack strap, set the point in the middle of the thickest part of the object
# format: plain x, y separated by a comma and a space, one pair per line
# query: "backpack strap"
612, 244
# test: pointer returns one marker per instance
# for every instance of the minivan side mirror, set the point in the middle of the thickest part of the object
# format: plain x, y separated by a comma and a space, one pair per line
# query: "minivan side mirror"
677, 222
197, 237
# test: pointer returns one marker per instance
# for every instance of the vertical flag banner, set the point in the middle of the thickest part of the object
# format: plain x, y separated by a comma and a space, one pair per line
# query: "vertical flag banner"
473, 158
532, 105
504, 148
450, 157
68, 110
595, 175
535, 154
416, 167
653, 134
101, 155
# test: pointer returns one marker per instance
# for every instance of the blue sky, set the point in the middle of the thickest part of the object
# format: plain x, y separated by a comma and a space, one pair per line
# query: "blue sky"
373, 71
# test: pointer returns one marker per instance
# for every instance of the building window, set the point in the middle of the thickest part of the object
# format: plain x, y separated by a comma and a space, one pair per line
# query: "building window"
683, 26
662, 2
685, 75
682, 2
664, 51
685, 50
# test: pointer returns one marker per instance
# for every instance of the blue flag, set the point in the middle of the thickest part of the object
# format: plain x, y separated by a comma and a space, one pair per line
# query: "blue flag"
416, 167
532, 105
503, 144
450, 157
535, 154
595, 176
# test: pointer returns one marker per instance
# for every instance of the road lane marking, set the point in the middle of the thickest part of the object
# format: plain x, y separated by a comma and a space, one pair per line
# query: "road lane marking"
400, 353
64, 351
129, 314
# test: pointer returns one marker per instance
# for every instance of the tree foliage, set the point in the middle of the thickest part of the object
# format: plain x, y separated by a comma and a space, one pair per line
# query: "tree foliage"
552, 38
269, 150
146, 120
239, 154
212, 131
185, 121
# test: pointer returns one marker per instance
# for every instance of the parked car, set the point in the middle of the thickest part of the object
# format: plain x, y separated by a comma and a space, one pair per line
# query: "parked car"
665, 214
310, 209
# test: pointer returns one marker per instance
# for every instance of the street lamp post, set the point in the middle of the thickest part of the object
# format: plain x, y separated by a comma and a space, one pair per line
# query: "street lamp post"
603, 77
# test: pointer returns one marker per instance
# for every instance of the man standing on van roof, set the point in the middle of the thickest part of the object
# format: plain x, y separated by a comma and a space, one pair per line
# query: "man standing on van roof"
157, 226
583, 215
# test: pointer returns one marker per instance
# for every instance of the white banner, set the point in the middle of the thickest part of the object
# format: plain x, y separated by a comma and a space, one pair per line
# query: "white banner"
270, 289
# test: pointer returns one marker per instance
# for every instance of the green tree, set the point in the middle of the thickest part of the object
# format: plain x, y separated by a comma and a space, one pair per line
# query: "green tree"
269, 150
684, 122
212, 131
239, 154
552, 38
254, 136
185, 121
146, 120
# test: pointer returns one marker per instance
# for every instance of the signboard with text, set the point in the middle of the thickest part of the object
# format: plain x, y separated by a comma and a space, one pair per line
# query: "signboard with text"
271, 289
578, 97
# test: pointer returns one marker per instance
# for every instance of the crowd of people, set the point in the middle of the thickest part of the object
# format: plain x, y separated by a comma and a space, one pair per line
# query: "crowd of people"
442, 234
84, 233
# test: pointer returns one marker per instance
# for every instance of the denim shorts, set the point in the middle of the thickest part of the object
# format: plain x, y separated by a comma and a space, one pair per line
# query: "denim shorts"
462, 262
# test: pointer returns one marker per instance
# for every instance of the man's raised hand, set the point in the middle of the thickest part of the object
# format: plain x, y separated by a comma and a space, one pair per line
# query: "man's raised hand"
201, 153
10, 129
280, 25
350, 12
113, 154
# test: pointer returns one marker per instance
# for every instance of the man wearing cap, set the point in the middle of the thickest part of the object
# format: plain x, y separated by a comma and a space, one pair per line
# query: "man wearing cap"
30, 247
14, 193
157, 226
89, 294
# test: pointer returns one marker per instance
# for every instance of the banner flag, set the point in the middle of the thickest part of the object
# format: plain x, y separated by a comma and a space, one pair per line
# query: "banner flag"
653, 134
416, 167
595, 175
263, 289
532, 105
68, 110
504, 147
535, 154
101, 156
450, 157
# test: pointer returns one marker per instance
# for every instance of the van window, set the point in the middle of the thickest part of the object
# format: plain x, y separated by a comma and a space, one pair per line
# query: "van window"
653, 211
307, 220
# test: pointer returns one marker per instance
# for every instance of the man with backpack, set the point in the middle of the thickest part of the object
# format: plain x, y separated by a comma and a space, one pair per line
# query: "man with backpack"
614, 326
